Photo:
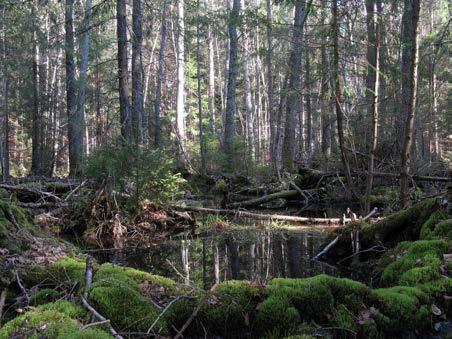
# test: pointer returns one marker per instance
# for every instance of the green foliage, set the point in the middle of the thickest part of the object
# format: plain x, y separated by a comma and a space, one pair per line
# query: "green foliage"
428, 229
140, 171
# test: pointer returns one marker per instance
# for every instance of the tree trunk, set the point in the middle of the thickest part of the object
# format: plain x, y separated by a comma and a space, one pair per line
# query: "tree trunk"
410, 58
294, 88
4, 133
270, 110
339, 98
229, 127
160, 74
36, 133
180, 101
211, 84
308, 105
198, 89
249, 106
83, 75
124, 104
372, 87
137, 74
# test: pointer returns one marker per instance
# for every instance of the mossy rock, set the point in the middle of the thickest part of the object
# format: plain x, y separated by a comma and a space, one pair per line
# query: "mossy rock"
417, 262
55, 320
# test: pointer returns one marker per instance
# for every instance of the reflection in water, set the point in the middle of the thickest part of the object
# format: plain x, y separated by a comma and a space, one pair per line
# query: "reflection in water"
256, 255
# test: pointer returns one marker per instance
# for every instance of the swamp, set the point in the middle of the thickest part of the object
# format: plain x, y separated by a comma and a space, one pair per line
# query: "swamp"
225, 169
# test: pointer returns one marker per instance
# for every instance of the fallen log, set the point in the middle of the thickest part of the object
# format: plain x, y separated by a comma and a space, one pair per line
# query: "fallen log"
30, 193
271, 217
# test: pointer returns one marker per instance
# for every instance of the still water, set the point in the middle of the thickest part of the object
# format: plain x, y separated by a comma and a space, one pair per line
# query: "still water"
253, 254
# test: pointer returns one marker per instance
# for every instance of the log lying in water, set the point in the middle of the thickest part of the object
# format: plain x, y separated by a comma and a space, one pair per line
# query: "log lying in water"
271, 217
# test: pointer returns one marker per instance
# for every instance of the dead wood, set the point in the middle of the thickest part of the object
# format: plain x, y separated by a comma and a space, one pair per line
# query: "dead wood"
271, 217
270, 197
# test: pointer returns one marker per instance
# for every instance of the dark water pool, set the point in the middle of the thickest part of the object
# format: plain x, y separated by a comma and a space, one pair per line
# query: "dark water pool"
253, 254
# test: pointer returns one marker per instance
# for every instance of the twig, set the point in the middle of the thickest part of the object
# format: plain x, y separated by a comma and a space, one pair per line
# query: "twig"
88, 282
371, 214
2, 303
75, 190
195, 312
177, 272
372, 249
21, 286
327, 248
162, 313
95, 324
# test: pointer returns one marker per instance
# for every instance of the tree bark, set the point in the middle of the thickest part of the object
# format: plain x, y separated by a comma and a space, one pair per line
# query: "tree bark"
372, 87
123, 81
160, 75
410, 58
36, 132
339, 99
4, 133
202, 149
180, 101
83, 76
294, 88
229, 127
137, 74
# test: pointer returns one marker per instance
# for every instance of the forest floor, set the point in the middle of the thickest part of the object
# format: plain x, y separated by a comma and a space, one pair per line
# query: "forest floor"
49, 288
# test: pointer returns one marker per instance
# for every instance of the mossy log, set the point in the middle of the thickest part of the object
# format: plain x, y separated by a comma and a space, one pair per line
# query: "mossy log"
399, 226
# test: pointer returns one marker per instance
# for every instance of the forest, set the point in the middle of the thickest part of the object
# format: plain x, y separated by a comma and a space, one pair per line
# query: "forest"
225, 169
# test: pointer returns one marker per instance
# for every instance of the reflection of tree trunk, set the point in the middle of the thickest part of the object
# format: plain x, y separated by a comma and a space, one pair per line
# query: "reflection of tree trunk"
251, 261
278, 261
185, 262
226, 263
216, 260
233, 250
204, 264
294, 253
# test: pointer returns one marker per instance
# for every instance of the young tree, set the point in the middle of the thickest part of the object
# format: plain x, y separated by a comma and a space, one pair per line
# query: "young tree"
410, 59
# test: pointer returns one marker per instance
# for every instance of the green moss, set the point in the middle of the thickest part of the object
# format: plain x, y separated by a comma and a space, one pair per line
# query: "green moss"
124, 305
44, 296
135, 277
68, 269
10, 237
429, 225
443, 230
220, 187
55, 320
232, 309
317, 298
415, 262
403, 308
344, 318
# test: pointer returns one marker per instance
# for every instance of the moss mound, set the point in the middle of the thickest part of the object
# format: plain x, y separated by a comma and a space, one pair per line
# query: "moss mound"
56, 320
321, 299
415, 262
